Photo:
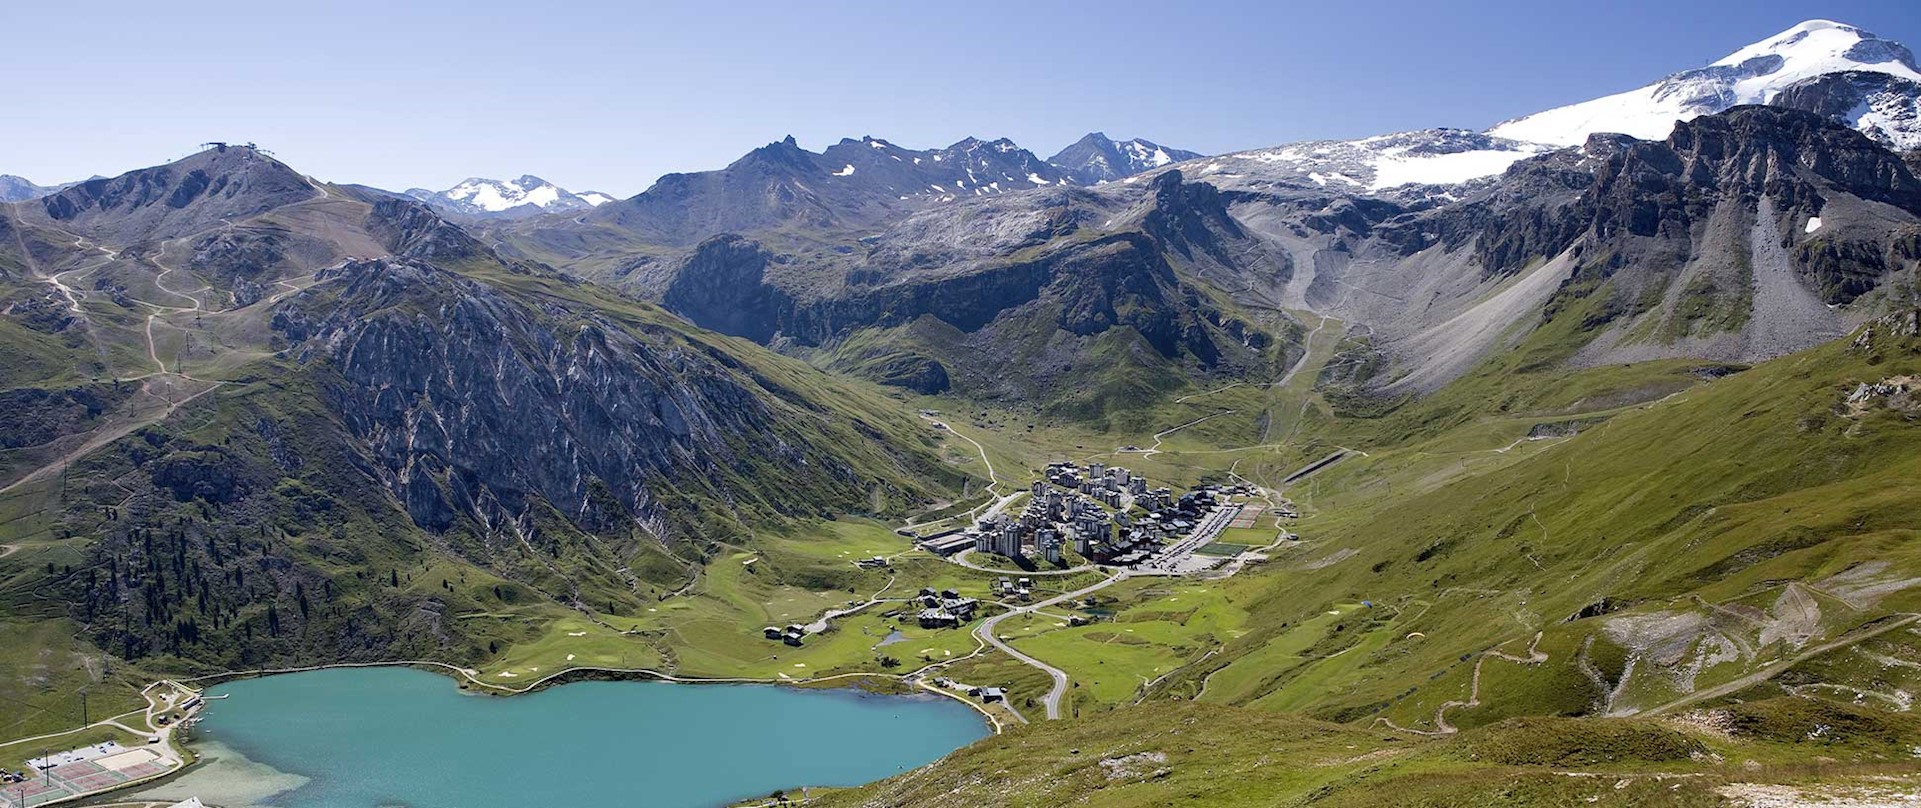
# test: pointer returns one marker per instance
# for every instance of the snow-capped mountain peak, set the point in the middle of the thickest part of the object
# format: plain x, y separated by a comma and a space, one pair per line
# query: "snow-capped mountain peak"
1098, 158
495, 196
1755, 74
1825, 46
526, 196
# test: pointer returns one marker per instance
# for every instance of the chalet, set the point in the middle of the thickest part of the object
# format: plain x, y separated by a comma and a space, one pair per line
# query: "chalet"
938, 618
962, 608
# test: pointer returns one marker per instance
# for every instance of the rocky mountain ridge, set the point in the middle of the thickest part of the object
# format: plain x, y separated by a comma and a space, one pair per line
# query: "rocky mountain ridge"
20, 189
849, 185
995, 299
1744, 235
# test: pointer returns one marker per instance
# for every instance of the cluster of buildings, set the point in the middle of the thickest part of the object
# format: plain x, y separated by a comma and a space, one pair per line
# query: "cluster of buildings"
1107, 514
1008, 587
985, 694
1070, 504
945, 609
791, 635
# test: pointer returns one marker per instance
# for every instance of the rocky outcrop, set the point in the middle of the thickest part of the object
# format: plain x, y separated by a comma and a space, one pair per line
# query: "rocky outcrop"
1622, 194
1884, 107
40, 415
411, 229
1743, 235
1191, 218
722, 286
246, 262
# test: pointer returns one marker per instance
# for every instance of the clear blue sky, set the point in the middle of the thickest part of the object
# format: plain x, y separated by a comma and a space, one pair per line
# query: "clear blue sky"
608, 95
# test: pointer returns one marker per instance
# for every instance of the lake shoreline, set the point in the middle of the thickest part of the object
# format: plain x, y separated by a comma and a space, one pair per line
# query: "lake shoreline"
305, 729
468, 680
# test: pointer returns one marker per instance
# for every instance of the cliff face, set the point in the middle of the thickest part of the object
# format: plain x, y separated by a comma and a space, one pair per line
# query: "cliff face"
1619, 188
1884, 107
721, 286
474, 404
1743, 235
412, 229
1828, 200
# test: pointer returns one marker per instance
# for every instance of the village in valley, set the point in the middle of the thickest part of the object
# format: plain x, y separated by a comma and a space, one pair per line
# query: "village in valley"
1109, 516
1078, 528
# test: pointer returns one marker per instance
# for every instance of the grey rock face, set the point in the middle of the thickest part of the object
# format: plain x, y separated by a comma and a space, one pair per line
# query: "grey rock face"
1744, 235
473, 404
985, 296
1795, 159
1886, 108
410, 229
721, 286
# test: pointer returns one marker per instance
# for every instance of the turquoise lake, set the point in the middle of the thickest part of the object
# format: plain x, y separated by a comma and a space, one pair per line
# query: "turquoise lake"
380, 737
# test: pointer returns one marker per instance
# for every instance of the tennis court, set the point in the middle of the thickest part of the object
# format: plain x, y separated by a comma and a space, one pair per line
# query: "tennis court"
84, 777
1245, 519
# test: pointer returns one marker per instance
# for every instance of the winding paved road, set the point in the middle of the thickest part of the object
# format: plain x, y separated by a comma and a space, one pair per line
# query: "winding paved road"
985, 631
993, 480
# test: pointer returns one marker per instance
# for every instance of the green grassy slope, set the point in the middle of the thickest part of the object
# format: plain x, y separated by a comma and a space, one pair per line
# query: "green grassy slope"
1698, 504
1706, 541
1187, 754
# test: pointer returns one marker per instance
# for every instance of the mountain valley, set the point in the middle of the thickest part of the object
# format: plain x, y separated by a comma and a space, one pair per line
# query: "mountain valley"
1570, 461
